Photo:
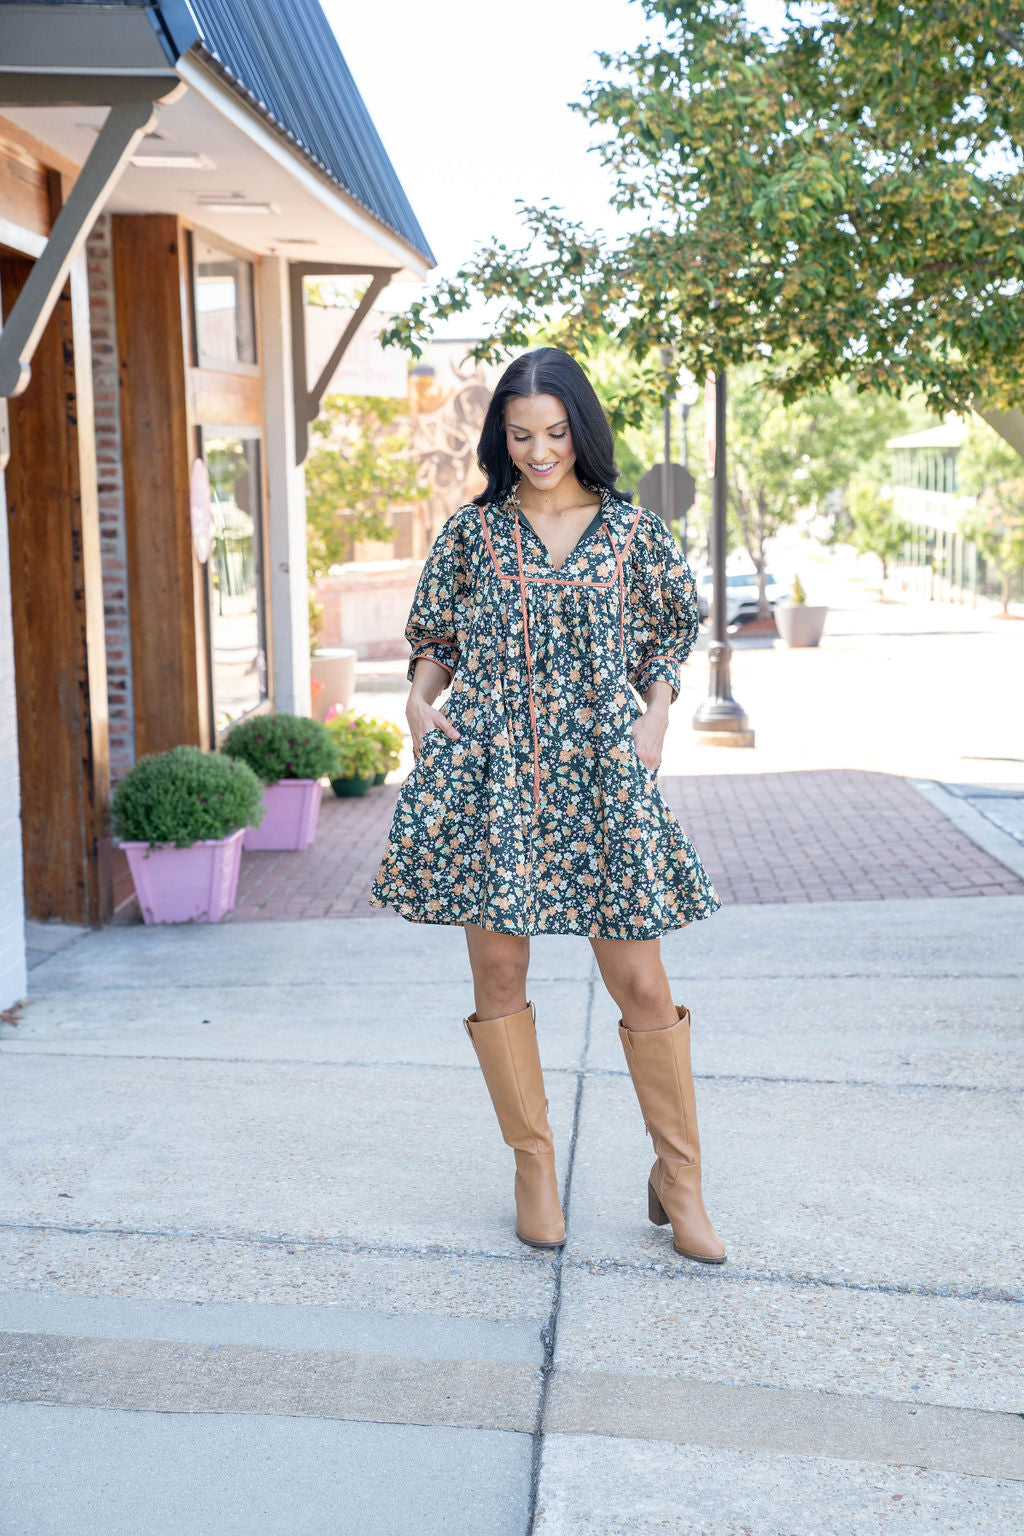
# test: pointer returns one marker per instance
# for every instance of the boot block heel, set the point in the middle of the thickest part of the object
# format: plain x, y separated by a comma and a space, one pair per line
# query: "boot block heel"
655, 1209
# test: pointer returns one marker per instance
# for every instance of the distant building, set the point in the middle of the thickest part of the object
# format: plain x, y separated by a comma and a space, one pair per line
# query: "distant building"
927, 494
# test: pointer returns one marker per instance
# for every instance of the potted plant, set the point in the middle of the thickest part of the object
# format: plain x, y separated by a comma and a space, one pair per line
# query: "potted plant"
360, 755
180, 817
290, 754
333, 675
799, 623
389, 738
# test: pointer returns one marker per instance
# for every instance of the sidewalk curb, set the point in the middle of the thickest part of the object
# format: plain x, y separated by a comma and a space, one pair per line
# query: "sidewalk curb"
1000, 845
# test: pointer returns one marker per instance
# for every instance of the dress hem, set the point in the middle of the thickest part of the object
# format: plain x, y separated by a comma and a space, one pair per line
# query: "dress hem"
414, 916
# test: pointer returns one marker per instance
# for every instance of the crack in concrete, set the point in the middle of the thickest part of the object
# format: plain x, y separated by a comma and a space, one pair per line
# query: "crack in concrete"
470, 1067
529, 1256
549, 1332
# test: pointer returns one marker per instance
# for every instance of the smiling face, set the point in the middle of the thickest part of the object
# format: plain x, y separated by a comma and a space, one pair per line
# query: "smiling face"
539, 440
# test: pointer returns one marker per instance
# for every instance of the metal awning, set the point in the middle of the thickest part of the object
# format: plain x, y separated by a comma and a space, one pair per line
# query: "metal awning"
120, 87
82, 57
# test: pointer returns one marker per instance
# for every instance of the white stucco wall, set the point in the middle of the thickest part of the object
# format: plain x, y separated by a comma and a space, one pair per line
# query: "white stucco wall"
286, 489
13, 982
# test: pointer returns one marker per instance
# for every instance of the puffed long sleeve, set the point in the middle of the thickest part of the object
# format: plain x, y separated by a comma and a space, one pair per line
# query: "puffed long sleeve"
663, 608
439, 618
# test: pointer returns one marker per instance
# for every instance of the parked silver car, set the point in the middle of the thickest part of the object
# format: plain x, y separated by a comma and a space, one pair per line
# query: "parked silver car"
740, 594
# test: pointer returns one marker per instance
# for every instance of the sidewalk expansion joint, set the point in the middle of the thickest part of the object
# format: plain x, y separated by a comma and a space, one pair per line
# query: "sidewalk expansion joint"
697, 1274
557, 1259
26, 1049
549, 1333
298, 984
825, 1082
289, 1242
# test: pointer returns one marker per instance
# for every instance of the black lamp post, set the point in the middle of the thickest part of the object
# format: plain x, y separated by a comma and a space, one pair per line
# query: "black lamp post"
720, 721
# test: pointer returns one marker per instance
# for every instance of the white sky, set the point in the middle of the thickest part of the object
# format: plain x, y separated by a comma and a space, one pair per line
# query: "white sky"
471, 100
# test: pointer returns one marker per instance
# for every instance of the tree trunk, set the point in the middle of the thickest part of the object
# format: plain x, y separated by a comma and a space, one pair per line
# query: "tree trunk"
763, 611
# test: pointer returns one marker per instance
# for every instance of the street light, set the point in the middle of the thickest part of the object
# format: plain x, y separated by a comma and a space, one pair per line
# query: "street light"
719, 721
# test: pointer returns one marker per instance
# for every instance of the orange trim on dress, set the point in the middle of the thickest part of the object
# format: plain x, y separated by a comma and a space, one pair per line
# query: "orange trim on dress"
529, 668
563, 581
649, 661
521, 577
438, 640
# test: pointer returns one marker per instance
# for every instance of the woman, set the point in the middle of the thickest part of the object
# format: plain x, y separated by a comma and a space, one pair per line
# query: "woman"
532, 806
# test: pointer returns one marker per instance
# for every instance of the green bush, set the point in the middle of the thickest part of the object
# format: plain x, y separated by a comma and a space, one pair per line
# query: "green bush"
389, 738
183, 796
357, 741
283, 747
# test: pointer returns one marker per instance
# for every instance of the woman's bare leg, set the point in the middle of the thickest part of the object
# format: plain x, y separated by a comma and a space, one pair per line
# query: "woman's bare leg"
500, 962
634, 974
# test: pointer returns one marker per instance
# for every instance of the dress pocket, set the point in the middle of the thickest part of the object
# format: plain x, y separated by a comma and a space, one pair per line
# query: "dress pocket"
649, 774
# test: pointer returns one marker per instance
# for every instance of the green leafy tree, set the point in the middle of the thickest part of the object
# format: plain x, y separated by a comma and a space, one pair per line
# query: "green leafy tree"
875, 529
994, 472
784, 460
360, 470
839, 199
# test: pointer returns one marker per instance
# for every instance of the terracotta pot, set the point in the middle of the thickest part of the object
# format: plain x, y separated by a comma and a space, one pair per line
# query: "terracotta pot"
799, 624
344, 788
186, 885
336, 670
292, 807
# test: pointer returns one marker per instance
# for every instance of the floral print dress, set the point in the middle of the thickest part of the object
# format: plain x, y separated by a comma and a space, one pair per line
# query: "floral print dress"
542, 818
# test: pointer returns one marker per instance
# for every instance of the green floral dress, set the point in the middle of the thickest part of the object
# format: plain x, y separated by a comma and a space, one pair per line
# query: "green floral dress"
542, 818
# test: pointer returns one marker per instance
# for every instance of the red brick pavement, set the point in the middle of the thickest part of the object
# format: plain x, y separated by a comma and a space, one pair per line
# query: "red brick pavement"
824, 835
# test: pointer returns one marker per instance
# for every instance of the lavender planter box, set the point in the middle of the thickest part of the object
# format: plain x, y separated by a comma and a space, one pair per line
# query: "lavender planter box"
292, 807
182, 885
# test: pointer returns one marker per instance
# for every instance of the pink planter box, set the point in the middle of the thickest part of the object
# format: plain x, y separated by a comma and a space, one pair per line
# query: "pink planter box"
292, 807
182, 885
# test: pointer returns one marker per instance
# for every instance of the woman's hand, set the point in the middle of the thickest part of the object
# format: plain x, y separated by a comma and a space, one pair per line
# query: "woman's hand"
428, 680
650, 727
424, 717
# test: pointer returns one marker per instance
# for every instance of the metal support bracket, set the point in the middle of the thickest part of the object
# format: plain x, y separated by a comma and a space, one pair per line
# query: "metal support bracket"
125, 124
308, 400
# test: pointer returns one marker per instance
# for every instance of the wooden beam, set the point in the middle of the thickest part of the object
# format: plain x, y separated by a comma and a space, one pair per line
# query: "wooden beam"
168, 643
57, 610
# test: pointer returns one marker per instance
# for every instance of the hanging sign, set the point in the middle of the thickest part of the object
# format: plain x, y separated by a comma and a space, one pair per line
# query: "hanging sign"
201, 514
710, 434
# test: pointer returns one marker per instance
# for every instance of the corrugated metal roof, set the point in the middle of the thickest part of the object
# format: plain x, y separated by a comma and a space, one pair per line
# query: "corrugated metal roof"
288, 62
284, 59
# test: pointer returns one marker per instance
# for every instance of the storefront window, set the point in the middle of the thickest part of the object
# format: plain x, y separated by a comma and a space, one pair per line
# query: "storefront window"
224, 311
238, 657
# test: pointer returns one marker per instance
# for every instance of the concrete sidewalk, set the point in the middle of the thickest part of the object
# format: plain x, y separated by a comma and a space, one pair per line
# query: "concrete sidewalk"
258, 1272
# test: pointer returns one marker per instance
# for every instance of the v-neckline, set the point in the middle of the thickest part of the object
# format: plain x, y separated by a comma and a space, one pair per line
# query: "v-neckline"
597, 518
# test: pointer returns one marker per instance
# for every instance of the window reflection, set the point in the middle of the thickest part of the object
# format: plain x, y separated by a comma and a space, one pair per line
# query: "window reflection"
225, 319
239, 662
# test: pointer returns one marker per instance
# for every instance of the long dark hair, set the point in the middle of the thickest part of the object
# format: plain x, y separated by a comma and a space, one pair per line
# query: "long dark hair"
548, 371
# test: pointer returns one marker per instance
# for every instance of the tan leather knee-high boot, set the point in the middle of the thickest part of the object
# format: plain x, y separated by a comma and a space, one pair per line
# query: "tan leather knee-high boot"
510, 1061
659, 1064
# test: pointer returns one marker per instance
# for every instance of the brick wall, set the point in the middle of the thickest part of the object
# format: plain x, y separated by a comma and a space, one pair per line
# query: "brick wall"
13, 984
366, 605
111, 497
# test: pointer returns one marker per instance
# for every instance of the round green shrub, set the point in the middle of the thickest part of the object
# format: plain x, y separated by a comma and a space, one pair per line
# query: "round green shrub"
183, 796
282, 747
